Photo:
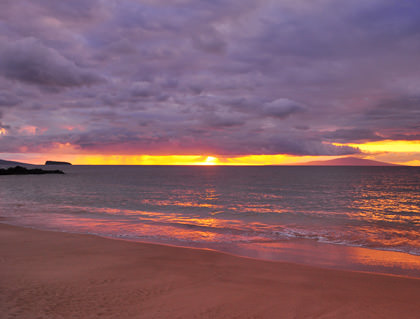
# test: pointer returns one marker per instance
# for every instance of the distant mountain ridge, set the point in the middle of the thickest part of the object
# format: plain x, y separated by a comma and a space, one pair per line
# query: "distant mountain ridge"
347, 161
4, 163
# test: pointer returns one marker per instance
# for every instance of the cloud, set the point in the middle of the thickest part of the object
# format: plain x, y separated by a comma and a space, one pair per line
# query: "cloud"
8, 100
209, 41
28, 60
294, 144
143, 89
222, 76
282, 108
5, 126
396, 110
352, 135
225, 120
396, 118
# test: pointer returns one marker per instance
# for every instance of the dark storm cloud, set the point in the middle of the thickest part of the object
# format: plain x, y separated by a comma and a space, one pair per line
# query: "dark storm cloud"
396, 112
74, 10
29, 61
226, 76
143, 89
352, 135
282, 108
396, 118
7, 100
310, 147
219, 120
209, 41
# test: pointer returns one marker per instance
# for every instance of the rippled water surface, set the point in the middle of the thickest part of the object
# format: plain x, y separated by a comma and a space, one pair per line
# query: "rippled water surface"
223, 207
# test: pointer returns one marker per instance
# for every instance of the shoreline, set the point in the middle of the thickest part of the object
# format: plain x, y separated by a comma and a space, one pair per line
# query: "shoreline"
297, 251
57, 274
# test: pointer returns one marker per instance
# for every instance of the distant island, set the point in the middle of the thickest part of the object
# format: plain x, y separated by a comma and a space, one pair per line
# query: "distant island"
56, 163
19, 170
347, 161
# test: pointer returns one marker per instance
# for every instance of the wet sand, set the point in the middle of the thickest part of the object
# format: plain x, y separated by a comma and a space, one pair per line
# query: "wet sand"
61, 275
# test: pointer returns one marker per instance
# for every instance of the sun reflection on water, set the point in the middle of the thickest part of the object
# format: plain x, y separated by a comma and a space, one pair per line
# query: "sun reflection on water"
265, 210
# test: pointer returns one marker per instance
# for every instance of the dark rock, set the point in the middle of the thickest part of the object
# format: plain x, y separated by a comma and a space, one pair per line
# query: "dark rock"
56, 163
19, 170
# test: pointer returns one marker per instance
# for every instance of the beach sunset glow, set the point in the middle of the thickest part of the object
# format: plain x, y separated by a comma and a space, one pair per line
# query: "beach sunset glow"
209, 159
255, 83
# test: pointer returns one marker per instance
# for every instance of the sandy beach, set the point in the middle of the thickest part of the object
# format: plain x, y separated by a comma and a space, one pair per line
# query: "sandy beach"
61, 275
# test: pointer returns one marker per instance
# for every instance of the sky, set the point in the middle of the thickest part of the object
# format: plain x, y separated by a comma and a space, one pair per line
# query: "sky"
209, 81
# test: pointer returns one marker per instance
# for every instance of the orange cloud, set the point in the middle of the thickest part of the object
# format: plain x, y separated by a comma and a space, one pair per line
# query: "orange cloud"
32, 130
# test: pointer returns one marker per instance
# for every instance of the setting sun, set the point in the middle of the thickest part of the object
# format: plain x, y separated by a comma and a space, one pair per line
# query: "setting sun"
210, 160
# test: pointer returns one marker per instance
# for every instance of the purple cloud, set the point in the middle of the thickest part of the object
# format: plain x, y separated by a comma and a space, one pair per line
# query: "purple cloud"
224, 76
282, 108
29, 61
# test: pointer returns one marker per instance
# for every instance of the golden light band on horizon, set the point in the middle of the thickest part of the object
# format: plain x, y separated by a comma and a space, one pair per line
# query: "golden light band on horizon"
145, 160
68, 152
185, 160
208, 160
386, 146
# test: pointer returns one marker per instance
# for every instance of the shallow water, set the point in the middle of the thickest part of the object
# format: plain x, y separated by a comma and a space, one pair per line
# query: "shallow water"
306, 214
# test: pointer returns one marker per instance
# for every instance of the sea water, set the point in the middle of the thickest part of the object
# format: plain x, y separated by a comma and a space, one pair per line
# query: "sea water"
314, 215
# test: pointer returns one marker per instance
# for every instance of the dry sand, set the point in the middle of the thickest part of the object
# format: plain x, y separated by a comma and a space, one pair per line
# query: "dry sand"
61, 275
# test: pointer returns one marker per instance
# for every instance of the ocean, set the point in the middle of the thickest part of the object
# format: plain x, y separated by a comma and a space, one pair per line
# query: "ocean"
361, 218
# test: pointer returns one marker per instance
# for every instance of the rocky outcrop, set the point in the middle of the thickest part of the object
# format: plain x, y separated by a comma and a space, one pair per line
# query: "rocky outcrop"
19, 170
56, 163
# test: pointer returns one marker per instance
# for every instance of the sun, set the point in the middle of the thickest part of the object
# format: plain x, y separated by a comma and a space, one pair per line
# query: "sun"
210, 160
